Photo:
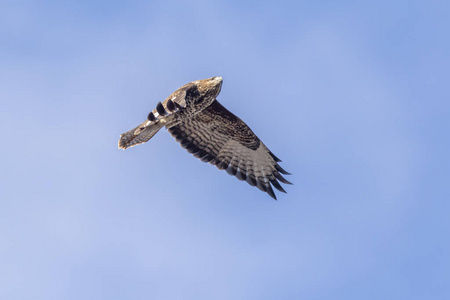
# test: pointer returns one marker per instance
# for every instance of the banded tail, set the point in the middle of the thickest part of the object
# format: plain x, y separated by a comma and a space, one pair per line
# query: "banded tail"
157, 119
140, 134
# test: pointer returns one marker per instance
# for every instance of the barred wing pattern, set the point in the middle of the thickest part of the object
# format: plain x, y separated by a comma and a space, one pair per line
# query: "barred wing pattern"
217, 136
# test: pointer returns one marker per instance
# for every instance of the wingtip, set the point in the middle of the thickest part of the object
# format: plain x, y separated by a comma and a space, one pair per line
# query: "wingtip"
274, 157
277, 185
281, 170
270, 192
281, 178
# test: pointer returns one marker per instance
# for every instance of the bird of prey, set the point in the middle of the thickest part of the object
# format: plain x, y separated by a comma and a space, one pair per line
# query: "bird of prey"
211, 133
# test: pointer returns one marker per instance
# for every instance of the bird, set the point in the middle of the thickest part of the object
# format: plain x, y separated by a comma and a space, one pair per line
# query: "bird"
212, 133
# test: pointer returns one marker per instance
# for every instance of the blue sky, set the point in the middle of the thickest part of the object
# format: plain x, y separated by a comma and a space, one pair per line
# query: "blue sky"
351, 95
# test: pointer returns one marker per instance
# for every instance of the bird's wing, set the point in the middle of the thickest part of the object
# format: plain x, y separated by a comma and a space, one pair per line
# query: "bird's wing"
217, 136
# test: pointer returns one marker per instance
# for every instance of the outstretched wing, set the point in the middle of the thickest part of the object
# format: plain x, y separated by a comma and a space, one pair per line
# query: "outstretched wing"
217, 136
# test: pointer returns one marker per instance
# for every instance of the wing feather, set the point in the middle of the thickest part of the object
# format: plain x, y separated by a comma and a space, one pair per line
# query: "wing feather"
217, 136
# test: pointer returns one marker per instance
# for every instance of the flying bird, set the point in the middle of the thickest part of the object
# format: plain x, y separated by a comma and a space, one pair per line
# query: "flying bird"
211, 133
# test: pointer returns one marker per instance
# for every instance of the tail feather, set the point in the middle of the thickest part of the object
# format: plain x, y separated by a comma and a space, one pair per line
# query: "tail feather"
139, 135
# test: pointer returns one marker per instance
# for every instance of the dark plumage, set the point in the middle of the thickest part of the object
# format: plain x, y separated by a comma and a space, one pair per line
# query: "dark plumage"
160, 109
170, 105
213, 134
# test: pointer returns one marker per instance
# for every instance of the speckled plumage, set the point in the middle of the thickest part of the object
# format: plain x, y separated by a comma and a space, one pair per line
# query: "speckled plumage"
211, 133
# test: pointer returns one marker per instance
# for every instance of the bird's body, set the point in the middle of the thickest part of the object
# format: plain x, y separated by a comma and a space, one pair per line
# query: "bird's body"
212, 133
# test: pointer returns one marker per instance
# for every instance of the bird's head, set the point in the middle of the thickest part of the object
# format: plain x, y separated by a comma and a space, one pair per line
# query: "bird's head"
201, 93
197, 95
210, 87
